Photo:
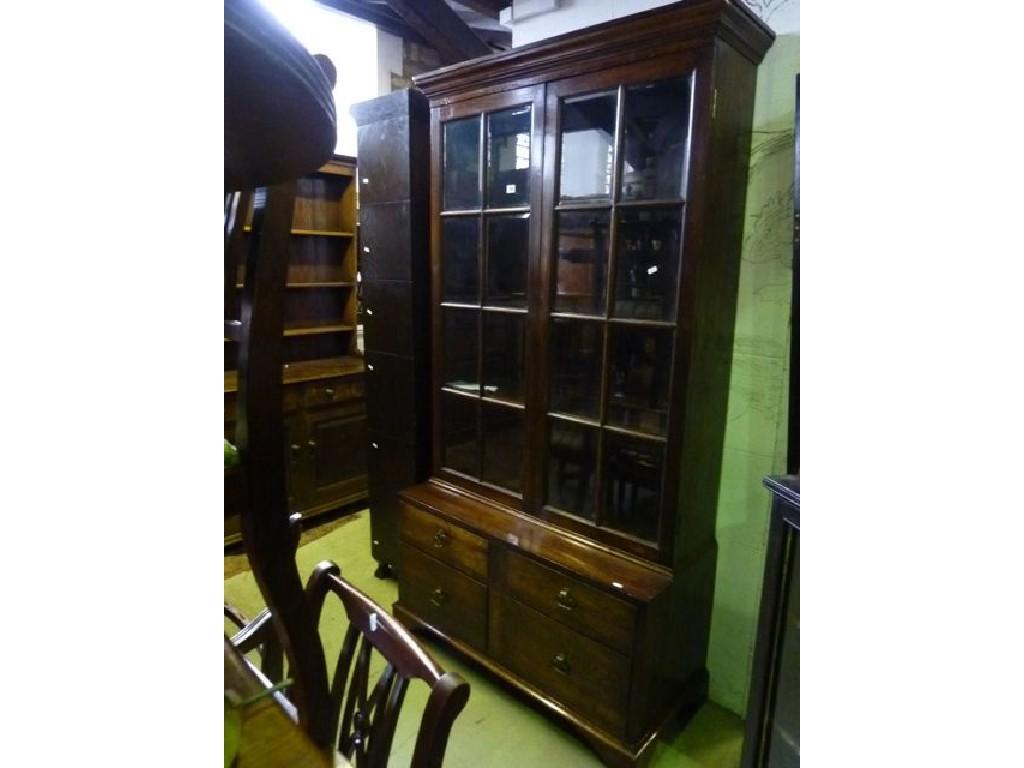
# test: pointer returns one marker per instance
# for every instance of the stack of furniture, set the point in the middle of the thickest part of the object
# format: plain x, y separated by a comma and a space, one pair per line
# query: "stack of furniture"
586, 211
324, 405
394, 266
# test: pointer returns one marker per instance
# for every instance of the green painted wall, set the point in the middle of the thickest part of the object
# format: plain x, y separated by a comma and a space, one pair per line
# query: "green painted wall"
755, 439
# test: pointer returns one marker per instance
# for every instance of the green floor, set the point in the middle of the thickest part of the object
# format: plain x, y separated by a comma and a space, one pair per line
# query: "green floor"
496, 728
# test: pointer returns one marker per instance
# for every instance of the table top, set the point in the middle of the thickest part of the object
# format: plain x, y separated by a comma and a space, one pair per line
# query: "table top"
270, 736
279, 113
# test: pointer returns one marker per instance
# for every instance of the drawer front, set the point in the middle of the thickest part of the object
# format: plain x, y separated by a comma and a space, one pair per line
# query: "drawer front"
594, 613
383, 173
585, 676
387, 317
331, 391
445, 598
385, 249
449, 543
391, 466
391, 395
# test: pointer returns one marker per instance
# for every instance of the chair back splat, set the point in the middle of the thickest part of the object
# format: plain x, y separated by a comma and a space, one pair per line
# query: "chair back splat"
368, 716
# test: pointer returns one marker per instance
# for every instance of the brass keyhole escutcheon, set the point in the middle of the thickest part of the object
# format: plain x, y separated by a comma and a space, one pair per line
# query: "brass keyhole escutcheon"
441, 538
437, 597
565, 599
561, 663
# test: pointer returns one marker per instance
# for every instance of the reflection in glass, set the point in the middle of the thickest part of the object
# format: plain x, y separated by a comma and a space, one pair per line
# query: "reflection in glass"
460, 350
461, 449
503, 446
460, 265
508, 241
504, 355
640, 362
572, 467
654, 141
647, 264
508, 158
588, 146
632, 472
576, 347
462, 164
582, 277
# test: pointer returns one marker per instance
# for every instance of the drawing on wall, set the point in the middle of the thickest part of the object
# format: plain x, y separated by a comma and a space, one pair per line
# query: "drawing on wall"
767, 8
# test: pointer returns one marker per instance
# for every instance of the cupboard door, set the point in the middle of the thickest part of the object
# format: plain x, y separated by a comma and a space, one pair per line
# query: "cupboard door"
613, 220
487, 239
336, 440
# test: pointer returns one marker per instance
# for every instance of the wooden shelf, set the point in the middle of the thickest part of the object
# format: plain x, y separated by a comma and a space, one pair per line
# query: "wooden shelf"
326, 284
314, 232
318, 329
307, 370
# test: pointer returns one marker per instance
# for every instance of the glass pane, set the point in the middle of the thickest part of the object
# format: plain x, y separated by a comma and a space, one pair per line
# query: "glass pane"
572, 467
647, 264
504, 355
461, 449
460, 350
582, 279
654, 139
462, 164
632, 472
640, 365
503, 446
508, 240
508, 158
588, 147
576, 347
460, 265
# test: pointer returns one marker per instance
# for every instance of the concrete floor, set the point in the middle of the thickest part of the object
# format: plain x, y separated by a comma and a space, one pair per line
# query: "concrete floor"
496, 728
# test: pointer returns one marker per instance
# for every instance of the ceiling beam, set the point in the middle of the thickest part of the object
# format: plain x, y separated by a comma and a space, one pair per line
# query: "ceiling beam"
442, 28
380, 15
489, 8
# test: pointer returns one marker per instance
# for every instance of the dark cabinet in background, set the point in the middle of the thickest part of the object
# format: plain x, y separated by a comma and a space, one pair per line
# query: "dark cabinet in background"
773, 711
394, 271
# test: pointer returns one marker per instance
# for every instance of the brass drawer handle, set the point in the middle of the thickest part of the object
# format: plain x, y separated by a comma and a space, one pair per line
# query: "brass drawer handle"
311, 443
561, 663
565, 599
437, 597
329, 392
441, 539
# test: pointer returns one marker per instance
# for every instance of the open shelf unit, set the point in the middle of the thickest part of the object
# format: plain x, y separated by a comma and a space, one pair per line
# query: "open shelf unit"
325, 414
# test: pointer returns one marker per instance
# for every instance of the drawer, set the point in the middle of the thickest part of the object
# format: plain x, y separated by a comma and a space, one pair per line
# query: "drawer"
387, 317
449, 543
291, 400
587, 677
443, 597
330, 391
599, 615
386, 246
383, 173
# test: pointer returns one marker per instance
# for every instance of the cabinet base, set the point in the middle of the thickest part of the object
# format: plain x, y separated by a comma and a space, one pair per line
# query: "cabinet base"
612, 751
384, 571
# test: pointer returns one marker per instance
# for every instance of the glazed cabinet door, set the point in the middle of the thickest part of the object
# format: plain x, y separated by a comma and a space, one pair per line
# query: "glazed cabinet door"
614, 199
485, 236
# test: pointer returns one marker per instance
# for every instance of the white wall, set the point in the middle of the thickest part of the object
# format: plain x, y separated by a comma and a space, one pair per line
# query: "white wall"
348, 42
781, 15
